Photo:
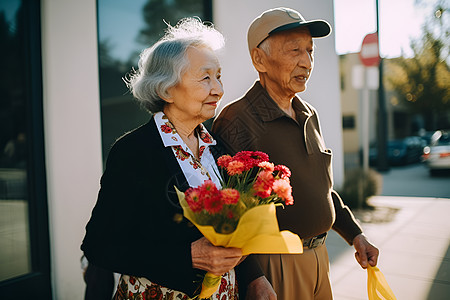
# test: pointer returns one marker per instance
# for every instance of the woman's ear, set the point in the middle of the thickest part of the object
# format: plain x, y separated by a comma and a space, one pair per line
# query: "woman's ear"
258, 59
168, 97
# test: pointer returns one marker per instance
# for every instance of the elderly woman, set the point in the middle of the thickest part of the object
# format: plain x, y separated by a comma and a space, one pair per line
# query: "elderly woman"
137, 228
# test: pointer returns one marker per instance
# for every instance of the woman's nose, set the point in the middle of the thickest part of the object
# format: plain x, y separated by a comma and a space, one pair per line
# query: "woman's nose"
217, 88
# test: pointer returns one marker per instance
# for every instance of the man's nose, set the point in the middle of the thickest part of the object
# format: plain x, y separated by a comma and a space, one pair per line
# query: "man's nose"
306, 60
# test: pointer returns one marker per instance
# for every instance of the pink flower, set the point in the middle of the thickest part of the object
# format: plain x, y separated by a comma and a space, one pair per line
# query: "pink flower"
193, 199
283, 189
229, 196
263, 184
267, 166
235, 167
284, 171
224, 160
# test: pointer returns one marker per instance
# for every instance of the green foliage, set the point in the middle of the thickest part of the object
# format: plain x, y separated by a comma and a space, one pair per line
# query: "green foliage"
359, 186
422, 82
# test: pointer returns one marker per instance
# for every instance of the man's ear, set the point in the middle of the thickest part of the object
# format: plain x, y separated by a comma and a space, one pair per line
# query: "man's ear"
258, 58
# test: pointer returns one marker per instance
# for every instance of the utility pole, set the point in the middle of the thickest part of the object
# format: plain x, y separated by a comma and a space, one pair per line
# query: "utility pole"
382, 163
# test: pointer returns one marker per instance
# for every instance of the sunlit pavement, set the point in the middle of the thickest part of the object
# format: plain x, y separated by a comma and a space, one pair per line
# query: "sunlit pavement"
413, 235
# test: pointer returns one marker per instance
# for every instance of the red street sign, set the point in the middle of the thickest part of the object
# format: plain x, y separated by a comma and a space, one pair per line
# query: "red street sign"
369, 55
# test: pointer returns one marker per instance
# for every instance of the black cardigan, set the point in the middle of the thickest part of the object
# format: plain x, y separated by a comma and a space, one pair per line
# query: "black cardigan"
134, 228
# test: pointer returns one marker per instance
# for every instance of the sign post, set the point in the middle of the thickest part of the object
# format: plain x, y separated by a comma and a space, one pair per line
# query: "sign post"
370, 58
365, 78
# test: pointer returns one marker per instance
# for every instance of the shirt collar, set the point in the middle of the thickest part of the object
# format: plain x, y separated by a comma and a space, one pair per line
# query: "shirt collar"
268, 109
170, 136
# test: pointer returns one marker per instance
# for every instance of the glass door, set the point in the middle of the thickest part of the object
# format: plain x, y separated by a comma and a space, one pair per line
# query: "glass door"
24, 244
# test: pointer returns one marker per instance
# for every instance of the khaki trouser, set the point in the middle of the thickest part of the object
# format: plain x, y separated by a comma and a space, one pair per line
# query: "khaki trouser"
299, 276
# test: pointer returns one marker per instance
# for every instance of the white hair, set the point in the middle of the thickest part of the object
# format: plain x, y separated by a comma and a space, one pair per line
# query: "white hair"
161, 66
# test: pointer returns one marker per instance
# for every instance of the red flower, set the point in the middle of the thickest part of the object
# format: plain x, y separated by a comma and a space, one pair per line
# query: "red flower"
283, 171
251, 158
223, 161
223, 285
208, 186
213, 203
166, 129
206, 138
210, 196
283, 189
200, 151
263, 184
193, 199
152, 292
230, 196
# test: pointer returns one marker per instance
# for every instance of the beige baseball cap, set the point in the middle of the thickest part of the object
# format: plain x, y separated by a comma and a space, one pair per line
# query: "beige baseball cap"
280, 19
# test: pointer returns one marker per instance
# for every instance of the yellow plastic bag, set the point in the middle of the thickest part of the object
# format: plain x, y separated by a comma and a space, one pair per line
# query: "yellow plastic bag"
377, 286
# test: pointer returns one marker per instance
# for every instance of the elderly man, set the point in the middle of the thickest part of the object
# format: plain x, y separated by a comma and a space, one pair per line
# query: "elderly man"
271, 118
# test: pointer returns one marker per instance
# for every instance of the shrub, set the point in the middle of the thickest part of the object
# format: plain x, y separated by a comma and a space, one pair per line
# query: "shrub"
359, 186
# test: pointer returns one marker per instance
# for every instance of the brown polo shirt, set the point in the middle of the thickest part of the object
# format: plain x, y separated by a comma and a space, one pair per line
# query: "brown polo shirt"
255, 122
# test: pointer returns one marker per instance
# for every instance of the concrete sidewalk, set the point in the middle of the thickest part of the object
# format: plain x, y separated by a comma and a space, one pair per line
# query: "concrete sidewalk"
413, 235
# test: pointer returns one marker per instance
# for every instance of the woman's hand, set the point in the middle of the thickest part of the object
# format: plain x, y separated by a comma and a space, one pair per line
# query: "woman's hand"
216, 260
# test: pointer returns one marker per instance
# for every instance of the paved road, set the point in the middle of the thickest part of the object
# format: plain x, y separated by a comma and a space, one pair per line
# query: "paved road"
415, 180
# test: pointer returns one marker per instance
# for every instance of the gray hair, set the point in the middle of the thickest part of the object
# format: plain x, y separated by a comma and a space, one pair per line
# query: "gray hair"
161, 66
265, 46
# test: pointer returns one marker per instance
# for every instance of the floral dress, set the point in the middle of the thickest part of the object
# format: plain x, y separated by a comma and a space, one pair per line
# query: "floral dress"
196, 172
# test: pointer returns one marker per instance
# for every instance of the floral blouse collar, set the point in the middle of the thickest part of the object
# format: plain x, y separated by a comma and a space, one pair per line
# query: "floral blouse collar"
170, 136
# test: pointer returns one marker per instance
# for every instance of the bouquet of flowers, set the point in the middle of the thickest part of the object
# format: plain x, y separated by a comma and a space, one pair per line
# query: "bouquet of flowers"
242, 212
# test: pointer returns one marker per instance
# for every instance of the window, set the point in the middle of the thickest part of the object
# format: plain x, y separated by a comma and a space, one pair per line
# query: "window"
125, 29
24, 242
348, 122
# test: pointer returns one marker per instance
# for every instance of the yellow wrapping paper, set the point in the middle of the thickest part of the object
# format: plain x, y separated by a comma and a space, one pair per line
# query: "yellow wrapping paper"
256, 232
377, 286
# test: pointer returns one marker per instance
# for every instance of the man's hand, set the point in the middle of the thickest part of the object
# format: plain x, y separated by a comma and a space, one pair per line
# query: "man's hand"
260, 289
365, 251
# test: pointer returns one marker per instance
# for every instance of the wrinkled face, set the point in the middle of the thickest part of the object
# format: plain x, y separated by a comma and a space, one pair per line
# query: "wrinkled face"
290, 61
196, 96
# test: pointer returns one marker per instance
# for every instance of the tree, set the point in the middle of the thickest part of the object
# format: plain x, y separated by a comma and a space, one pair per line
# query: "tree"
422, 82
171, 11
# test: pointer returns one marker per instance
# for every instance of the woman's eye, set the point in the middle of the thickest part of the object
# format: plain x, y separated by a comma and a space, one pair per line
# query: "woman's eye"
206, 77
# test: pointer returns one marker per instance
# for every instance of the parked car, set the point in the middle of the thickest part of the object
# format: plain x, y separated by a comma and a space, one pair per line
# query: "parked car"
401, 151
437, 155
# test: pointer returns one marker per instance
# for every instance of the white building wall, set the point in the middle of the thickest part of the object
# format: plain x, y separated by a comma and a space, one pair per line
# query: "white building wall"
232, 18
72, 133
